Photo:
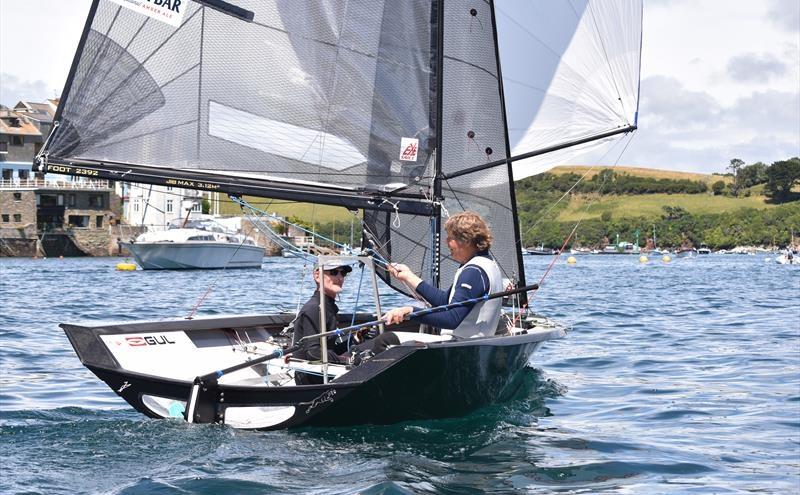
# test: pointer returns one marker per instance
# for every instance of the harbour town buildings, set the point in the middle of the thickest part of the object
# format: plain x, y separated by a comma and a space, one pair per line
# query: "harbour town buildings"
54, 215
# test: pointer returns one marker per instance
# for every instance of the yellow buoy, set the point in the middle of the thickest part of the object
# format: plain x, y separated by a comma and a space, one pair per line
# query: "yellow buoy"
666, 258
126, 267
571, 260
642, 259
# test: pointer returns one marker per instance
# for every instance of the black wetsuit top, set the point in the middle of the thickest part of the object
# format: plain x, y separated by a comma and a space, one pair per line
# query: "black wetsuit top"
307, 323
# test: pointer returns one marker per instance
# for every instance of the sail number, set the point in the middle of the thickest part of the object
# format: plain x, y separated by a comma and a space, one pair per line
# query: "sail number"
191, 184
62, 169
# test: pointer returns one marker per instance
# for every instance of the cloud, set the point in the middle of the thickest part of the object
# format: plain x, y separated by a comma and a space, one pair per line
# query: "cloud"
681, 129
13, 90
755, 67
784, 14
665, 100
767, 112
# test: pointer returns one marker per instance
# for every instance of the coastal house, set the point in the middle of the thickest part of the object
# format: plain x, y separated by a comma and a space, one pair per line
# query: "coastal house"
55, 215
39, 114
48, 215
157, 207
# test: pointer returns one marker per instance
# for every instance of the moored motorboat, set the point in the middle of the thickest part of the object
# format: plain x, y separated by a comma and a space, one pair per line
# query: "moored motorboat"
686, 252
540, 251
192, 248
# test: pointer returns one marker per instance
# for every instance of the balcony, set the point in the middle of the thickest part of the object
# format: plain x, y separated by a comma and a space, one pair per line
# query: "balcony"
75, 185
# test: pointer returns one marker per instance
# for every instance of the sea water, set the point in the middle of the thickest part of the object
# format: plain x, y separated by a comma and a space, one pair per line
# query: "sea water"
680, 377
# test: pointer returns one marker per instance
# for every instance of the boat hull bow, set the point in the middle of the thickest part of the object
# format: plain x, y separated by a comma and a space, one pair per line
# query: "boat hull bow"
415, 380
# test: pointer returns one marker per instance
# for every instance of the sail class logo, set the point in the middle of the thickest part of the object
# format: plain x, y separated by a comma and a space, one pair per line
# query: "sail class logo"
408, 149
169, 11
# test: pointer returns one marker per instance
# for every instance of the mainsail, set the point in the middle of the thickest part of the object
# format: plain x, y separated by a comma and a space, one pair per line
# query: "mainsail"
394, 107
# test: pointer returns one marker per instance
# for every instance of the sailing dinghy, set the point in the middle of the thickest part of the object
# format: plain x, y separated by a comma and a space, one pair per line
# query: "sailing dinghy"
394, 108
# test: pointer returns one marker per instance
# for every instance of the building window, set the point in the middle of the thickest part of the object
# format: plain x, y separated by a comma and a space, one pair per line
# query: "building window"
24, 174
17, 196
168, 207
17, 140
7, 173
197, 207
71, 199
79, 220
3, 147
17, 217
169, 188
5, 218
49, 200
99, 221
136, 205
95, 200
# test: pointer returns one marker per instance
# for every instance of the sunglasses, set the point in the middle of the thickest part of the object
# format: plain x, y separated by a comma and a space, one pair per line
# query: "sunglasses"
337, 271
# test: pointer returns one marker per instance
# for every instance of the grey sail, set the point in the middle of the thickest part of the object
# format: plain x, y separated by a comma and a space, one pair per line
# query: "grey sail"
318, 101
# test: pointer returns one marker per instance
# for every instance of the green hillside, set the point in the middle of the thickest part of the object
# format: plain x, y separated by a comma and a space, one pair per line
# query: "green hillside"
308, 212
651, 205
644, 172
685, 208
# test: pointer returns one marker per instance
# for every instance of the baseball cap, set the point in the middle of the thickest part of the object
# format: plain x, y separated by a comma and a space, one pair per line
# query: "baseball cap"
335, 263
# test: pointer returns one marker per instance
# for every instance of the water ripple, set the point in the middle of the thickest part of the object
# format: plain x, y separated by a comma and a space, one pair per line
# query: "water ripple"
675, 378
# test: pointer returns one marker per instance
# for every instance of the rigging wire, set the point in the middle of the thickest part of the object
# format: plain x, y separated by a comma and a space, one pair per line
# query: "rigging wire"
211, 286
599, 189
572, 232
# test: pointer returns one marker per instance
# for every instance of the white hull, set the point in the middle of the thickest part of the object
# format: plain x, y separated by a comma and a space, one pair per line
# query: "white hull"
195, 255
785, 260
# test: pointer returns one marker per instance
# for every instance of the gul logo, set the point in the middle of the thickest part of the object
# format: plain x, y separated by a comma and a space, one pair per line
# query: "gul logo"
408, 149
148, 340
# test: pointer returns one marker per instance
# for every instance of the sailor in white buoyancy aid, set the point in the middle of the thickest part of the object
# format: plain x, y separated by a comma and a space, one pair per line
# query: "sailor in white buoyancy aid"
469, 240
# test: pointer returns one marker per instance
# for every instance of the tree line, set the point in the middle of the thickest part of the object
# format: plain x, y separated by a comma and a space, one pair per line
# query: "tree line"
677, 227
608, 181
779, 179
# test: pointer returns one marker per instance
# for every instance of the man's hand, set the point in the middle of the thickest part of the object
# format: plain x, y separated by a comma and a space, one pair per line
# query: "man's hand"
404, 273
397, 315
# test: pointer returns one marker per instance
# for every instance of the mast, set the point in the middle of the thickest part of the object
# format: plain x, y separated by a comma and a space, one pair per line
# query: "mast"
436, 216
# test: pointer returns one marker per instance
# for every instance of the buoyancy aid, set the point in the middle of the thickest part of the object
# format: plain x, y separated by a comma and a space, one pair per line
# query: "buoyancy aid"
482, 320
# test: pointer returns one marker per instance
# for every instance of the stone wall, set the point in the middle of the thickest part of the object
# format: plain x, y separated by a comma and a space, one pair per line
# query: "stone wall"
261, 239
93, 242
123, 233
19, 205
19, 241
18, 224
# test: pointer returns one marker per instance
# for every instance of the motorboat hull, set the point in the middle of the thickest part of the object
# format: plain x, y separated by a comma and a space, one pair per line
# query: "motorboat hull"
686, 253
195, 255
152, 364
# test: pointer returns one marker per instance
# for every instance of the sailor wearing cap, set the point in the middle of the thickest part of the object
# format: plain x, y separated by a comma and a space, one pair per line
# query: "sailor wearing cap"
307, 322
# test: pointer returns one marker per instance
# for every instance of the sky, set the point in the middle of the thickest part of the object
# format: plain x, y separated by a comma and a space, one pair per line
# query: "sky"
720, 78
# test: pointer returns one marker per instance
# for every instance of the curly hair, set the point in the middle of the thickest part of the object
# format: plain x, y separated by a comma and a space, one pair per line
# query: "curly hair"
470, 228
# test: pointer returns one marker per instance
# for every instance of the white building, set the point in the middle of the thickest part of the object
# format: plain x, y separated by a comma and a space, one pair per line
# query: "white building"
156, 206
